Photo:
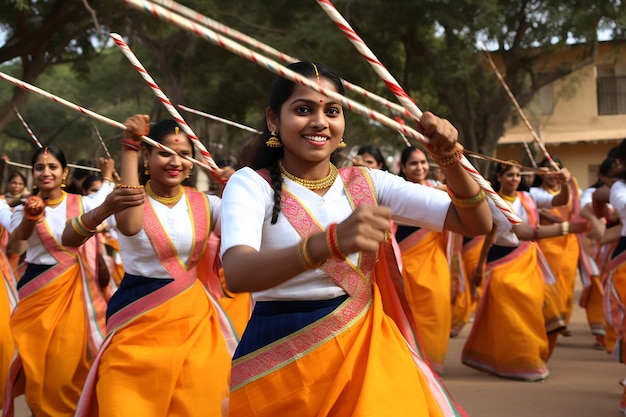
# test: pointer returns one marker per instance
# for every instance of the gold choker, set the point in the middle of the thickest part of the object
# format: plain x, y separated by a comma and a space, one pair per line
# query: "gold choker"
311, 184
50, 202
508, 198
168, 201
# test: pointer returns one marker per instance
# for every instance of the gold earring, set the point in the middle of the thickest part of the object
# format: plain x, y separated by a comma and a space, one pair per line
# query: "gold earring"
146, 168
273, 141
341, 144
189, 172
63, 183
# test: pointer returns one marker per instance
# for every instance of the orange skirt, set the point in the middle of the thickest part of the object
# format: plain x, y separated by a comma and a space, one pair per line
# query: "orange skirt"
508, 337
49, 327
368, 369
176, 362
426, 277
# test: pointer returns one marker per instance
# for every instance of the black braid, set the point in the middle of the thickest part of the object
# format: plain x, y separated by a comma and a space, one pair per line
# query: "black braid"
277, 182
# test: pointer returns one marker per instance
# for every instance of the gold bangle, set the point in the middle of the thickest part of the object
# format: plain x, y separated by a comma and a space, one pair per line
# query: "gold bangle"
83, 225
303, 255
564, 228
135, 187
471, 202
451, 160
109, 179
78, 228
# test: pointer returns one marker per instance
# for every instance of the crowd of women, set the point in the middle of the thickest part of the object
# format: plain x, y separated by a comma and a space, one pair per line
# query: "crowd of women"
312, 285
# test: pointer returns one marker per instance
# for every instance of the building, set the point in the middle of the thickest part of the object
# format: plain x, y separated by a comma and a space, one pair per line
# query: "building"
579, 117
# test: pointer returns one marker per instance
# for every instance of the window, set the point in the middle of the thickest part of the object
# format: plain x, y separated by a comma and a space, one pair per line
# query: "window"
611, 89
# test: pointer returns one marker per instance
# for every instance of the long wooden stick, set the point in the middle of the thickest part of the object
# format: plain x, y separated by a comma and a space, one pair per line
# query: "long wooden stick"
285, 72
30, 132
520, 112
268, 50
219, 119
406, 101
128, 53
93, 115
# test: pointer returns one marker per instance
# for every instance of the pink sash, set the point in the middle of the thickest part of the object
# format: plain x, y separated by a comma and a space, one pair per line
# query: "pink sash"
184, 278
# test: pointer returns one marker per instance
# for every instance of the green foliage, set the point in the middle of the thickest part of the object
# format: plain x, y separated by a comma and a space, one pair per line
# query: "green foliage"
432, 47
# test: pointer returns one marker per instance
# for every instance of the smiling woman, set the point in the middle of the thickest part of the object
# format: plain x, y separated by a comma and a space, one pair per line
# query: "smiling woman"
59, 304
304, 236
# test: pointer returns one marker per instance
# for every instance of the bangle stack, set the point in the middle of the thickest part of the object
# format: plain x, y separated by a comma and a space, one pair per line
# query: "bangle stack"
303, 255
332, 241
564, 228
451, 160
467, 203
130, 145
80, 228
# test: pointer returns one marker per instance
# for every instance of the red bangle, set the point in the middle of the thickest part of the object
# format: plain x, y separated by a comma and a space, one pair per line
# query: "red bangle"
333, 241
129, 144
536, 234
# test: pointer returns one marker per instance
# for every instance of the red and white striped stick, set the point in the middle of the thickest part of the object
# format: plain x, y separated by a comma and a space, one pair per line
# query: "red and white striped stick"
293, 76
30, 132
93, 115
86, 168
219, 119
271, 65
406, 101
520, 111
106, 150
268, 50
206, 155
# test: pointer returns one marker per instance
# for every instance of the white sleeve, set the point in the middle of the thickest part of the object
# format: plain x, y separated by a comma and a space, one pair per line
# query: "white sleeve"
216, 213
410, 203
244, 202
543, 199
5, 215
92, 201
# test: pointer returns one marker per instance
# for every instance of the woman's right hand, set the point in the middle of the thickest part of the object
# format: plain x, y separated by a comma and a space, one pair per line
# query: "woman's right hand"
136, 127
364, 229
122, 198
34, 207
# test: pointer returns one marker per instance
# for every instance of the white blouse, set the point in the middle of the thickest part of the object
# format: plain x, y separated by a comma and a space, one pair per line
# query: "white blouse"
138, 255
5, 215
618, 201
247, 211
504, 234
56, 217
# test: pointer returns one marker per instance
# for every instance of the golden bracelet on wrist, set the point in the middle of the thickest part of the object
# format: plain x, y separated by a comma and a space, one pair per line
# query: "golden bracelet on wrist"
303, 255
451, 160
79, 227
135, 187
471, 202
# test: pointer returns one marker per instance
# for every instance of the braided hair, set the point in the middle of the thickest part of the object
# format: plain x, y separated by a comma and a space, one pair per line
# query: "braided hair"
263, 156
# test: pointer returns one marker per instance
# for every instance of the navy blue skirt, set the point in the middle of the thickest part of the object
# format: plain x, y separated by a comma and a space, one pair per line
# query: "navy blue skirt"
273, 320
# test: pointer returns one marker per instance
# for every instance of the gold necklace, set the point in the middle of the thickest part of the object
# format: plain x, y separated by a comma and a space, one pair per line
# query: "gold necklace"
56, 201
509, 198
168, 201
311, 184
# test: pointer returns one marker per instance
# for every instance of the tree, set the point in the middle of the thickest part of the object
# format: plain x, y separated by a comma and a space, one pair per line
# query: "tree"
43, 33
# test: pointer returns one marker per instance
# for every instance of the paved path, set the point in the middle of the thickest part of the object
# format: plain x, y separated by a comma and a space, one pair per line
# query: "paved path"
583, 382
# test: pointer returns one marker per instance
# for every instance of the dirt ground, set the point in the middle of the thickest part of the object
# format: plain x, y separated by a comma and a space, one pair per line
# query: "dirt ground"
583, 382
